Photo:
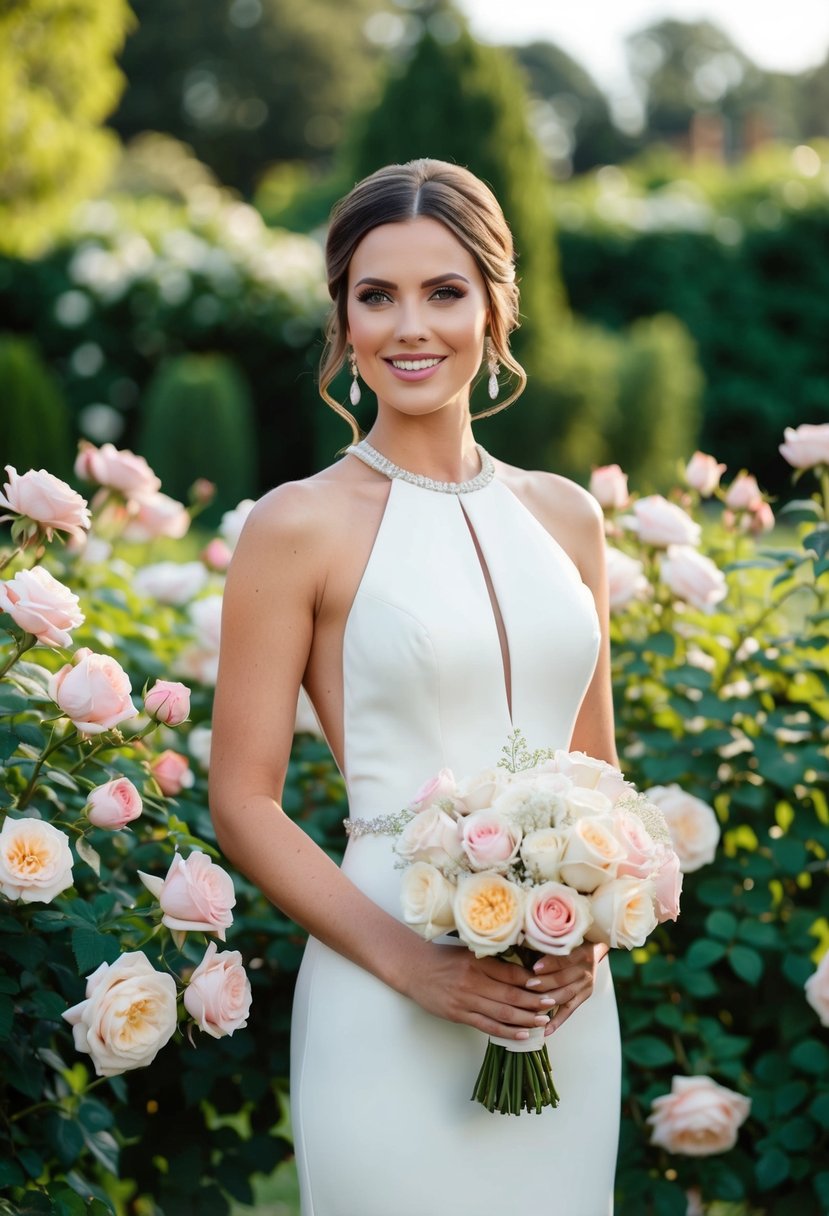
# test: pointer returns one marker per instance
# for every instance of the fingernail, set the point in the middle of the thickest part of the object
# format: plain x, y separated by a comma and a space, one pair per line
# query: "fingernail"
550, 1030
539, 966
548, 1000
523, 1034
541, 1019
532, 983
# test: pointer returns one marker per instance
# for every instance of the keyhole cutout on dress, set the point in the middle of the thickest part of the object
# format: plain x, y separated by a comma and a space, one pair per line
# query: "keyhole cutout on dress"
496, 612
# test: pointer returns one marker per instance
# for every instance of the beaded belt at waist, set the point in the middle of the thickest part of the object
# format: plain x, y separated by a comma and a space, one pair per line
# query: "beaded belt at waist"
381, 825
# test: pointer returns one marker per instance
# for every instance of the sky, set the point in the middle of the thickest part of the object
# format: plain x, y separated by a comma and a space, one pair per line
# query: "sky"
788, 36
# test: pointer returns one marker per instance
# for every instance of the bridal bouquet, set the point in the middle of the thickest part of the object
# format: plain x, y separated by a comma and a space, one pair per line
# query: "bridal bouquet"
545, 851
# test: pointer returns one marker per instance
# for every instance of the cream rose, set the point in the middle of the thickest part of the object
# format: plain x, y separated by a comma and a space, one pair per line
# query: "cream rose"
744, 493
218, 996
693, 577
41, 605
579, 802
435, 790
172, 772
168, 701
556, 918
478, 793
48, 502
591, 774
35, 860
662, 523
158, 516
201, 660
703, 473
609, 486
805, 445
698, 1117
196, 895
490, 841
431, 836
623, 913
592, 854
233, 521
817, 990
625, 578
693, 824
114, 805
116, 469
427, 897
542, 851
489, 913
128, 1015
171, 582
94, 691
199, 742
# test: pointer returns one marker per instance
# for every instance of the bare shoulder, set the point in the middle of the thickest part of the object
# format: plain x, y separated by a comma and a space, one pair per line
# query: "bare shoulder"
567, 510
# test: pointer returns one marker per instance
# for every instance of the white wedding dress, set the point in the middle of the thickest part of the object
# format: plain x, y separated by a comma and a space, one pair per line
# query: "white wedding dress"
380, 1090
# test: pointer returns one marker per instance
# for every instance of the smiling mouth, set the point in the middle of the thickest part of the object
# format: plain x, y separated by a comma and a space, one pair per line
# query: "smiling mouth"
415, 365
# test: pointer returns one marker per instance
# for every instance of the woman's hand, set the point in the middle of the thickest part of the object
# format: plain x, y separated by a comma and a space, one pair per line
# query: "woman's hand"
568, 979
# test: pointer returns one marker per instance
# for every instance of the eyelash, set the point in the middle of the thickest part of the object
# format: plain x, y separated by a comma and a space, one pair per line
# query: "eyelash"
370, 293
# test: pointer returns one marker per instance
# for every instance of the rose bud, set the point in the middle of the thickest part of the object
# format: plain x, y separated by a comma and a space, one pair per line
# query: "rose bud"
172, 773
114, 805
168, 701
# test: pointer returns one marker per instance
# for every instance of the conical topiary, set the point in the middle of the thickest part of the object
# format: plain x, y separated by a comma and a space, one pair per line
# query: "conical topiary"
35, 431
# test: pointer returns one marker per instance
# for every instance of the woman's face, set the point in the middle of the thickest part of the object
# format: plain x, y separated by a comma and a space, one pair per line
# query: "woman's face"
417, 315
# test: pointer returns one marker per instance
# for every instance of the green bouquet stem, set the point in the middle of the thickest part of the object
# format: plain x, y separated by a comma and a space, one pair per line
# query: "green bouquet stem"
512, 1081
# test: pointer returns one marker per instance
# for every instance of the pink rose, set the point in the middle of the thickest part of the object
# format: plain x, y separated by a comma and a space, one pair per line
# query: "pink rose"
760, 519
641, 851
171, 582
49, 503
817, 990
41, 605
662, 523
35, 860
436, 789
698, 1117
196, 895
806, 446
703, 473
744, 493
218, 995
667, 886
157, 516
625, 578
216, 555
117, 470
168, 702
172, 773
609, 486
693, 577
556, 918
693, 824
114, 805
94, 691
490, 841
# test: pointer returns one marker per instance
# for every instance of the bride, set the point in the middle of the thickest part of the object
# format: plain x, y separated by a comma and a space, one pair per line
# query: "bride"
430, 599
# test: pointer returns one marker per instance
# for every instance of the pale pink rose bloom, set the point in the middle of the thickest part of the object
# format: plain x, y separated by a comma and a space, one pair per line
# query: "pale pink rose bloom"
542, 851
196, 895
817, 990
114, 805
609, 486
233, 521
623, 913
93, 691
490, 841
625, 578
693, 577
35, 860
45, 499
200, 661
158, 515
426, 898
128, 1015
667, 886
589, 773
216, 555
693, 824
592, 854
698, 1117
171, 582
172, 773
662, 523
556, 918
218, 995
168, 701
431, 836
744, 493
116, 469
761, 519
41, 605
805, 445
436, 789
642, 854
703, 473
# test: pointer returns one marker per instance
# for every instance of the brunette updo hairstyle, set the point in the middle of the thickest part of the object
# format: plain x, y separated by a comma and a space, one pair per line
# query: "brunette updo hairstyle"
453, 196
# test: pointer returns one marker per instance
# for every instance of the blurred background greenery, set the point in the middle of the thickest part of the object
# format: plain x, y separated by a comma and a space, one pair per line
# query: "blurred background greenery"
166, 173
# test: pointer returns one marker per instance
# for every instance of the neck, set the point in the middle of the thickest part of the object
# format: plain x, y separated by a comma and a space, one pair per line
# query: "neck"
443, 448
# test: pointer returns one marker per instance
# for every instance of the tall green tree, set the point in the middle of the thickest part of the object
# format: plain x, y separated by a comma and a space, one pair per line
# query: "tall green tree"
58, 83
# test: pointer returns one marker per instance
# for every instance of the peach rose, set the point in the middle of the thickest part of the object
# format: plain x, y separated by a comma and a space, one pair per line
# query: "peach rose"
41, 605
117, 470
128, 1015
35, 860
541, 853
623, 913
171, 582
625, 578
662, 523
426, 897
490, 841
431, 836
698, 1117
817, 990
489, 913
216, 555
693, 577
556, 918
158, 515
233, 522
435, 790
47, 502
609, 486
592, 854
172, 772
218, 995
703, 473
693, 824
94, 691
168, 701
114, 805
196, 895
805, 445
744, 493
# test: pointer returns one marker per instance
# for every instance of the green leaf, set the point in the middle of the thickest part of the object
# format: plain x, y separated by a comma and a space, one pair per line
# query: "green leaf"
92, 948
93, 1116
746, 963
818, 541
104, 1146
797, 1135
660, 643
789, 854
31, 1161
820, 1109
648, 1051
6, 1016
47, 1005
758, 933
789, 1096
704, 953
772, 1168
10, 1174
65, 1136
12, 702
811, 1056
716, 892
722, 925
68, 1203
91, 856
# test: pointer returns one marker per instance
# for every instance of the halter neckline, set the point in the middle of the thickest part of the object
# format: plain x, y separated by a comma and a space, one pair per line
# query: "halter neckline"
376, 460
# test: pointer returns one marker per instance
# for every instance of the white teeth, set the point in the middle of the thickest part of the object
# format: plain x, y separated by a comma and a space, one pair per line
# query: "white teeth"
414, 365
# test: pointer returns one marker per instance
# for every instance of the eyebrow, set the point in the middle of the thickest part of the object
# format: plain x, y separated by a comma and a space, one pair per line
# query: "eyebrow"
440, 278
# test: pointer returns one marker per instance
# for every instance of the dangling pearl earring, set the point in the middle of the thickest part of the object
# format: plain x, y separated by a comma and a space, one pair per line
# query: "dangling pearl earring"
354, 393
493, 367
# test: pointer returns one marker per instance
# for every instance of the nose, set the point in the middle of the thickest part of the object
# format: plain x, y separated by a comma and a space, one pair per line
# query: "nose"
411, 325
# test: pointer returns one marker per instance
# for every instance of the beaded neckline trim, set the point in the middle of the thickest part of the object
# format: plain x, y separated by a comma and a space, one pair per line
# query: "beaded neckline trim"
375, 460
